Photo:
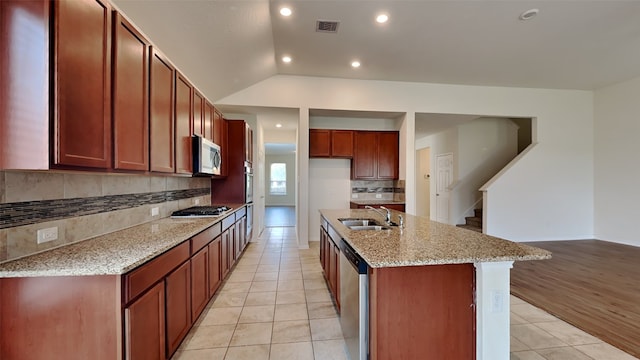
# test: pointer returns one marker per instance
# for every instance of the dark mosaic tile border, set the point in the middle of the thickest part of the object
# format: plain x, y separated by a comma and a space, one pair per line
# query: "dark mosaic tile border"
372, 190
33, 212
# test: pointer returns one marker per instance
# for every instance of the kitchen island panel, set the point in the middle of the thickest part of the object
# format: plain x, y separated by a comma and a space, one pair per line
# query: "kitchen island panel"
438, 317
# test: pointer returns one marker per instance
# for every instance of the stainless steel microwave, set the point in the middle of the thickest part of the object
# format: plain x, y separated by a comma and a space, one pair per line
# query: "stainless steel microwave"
206, 157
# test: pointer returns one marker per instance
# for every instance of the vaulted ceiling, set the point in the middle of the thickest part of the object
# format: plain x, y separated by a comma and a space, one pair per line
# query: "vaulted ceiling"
225, 46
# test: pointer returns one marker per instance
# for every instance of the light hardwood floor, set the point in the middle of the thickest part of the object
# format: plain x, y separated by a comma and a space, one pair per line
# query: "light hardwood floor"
591, 284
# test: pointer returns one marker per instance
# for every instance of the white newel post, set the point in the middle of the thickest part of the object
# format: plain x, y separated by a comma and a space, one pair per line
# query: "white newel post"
492, 310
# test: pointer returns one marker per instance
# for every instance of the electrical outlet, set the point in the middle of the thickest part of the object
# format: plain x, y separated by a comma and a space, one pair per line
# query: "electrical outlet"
48, 234
497, 301
354, 196
196, 201
155, 211
378, 196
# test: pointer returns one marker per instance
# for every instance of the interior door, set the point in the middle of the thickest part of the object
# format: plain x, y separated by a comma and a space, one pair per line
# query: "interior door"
444, 173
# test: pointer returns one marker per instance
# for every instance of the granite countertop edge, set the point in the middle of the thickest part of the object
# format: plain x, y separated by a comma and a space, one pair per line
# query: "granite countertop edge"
115, 253
426, 242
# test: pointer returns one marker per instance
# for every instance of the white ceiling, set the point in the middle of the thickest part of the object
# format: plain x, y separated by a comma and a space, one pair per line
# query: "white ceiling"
224, 46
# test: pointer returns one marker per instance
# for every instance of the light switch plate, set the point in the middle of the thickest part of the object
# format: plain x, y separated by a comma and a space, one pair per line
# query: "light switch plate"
196, 201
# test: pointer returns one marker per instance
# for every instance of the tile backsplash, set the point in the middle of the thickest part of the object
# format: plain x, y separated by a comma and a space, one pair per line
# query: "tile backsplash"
391, 190
84, 205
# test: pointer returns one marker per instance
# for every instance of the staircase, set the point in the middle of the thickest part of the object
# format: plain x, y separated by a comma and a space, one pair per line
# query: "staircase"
473, 222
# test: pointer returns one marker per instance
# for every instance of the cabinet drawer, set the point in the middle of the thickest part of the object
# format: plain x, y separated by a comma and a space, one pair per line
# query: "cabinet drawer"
204, 238
228, 221
240, 213
140, 279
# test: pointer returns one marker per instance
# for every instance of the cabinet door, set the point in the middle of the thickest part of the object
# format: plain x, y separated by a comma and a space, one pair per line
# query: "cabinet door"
178, 295
363, 166
161, 112
233, 246
333, 267
214, 265
248, 143
322, 244
220, 137
184, 115
144, 326
387, 156
336, 288
319, 143
208, 121
198, 107
82, 85
199, 282
342, 143
224, 254
130, 97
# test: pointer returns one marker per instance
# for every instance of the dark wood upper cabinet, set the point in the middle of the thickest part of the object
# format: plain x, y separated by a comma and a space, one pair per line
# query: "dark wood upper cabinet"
375, 155
24, 84
208, 120
342, 143
325, 143
82, 84
198, 107
220, 137
319, 143
388, 158
365, 148
130, 97
184, 116
161, 122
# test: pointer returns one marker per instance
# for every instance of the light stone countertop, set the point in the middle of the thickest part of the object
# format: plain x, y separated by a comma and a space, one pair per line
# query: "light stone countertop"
111, 254
425, 242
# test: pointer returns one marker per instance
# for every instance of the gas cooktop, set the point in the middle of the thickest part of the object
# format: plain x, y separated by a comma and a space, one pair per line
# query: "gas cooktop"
201, 211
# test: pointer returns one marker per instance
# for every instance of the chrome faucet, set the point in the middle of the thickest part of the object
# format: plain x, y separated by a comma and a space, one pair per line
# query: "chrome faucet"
387, 217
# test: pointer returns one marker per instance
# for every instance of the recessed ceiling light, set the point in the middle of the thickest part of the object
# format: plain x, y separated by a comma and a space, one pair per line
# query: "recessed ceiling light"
355, 64
278, 125
285, 11
286, 59
529, 14
382, 18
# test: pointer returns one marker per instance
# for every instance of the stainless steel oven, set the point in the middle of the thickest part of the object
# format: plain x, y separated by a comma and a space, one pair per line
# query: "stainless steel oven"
248, 187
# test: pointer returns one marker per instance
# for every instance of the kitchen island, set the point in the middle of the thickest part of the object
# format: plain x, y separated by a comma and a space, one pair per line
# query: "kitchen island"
435, 291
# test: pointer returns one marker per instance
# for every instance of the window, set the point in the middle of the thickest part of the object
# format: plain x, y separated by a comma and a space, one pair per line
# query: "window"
278, 179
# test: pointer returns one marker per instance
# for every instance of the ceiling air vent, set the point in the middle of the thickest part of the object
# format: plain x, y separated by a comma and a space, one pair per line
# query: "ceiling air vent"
327, 26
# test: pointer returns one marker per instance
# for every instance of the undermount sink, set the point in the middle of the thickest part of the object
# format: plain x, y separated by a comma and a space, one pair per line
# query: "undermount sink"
368, 227
359, 222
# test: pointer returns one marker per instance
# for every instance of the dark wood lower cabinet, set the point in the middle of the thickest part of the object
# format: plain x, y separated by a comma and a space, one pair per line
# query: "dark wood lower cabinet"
143, 314
199, 282
178, 294
215, 277
144, 326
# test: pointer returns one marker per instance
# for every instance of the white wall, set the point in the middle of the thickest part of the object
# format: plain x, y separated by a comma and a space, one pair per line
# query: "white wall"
546, 195
330, 180
283, 200
617, 174
485, 146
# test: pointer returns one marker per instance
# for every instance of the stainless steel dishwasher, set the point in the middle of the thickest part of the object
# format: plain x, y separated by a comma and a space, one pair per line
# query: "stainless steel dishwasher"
354, 302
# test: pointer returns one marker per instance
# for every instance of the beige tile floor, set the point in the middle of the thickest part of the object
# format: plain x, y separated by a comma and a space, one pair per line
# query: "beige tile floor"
276, 305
